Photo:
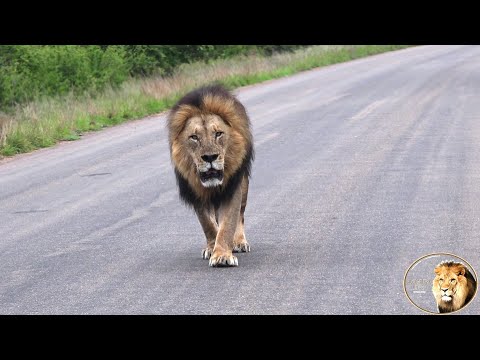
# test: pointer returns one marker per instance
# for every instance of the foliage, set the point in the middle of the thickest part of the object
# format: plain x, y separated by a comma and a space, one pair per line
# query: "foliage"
29, 72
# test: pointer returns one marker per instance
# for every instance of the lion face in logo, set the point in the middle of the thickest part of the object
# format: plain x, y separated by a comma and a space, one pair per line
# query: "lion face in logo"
453, 286
447, 282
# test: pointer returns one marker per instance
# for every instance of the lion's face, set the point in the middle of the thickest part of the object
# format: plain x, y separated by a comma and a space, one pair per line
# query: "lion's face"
205, 138
211, 145
447, 282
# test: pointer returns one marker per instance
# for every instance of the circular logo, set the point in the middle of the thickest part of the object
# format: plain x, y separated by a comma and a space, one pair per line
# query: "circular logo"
440, 283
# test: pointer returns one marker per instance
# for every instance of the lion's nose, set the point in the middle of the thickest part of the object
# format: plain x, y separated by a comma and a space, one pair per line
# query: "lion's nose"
445, 290
210, 158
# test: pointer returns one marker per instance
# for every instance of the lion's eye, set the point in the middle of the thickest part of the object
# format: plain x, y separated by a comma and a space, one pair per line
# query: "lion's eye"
453, 280
218, 134
440, 279
194, 137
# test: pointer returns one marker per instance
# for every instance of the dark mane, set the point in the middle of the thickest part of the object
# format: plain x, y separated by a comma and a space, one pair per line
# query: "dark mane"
195, 97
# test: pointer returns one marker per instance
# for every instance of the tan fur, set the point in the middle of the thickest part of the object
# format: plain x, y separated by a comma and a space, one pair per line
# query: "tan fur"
223, 223
452, 279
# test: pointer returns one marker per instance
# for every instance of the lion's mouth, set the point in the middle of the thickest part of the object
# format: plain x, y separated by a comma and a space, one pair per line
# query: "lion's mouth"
446, 298
211, 174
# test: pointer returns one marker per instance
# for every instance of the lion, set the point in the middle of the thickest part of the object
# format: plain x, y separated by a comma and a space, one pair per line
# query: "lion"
211, 148
453, 286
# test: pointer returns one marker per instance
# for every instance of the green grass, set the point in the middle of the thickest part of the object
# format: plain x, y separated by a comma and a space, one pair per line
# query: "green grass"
43, 123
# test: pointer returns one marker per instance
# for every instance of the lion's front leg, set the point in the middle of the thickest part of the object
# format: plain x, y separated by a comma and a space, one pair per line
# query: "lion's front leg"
240, 243
206, 217
228, 215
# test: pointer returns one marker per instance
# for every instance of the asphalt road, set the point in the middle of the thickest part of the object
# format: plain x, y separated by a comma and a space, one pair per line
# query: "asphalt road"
361, 168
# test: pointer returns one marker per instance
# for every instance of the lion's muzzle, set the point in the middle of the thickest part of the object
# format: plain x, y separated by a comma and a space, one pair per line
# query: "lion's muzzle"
447, 295
211, 171
211, 177
211, 174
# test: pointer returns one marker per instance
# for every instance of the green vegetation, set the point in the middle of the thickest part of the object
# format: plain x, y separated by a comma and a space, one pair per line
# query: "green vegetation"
54, 93
32, 72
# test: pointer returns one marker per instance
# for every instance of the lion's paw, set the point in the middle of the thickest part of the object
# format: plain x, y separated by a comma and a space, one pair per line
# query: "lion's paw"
207, 253
223, 260
243, 247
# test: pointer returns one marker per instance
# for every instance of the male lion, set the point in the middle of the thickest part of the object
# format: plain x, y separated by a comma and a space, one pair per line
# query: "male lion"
211, 147
453, 287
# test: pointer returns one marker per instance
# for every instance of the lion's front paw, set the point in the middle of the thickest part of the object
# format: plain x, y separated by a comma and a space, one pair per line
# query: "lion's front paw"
223, 259
242, 247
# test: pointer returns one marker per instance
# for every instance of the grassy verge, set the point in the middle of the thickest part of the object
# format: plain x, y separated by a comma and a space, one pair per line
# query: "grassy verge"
44, 122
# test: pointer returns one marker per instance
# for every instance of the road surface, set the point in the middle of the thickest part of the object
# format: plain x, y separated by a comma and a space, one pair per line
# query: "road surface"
361, 168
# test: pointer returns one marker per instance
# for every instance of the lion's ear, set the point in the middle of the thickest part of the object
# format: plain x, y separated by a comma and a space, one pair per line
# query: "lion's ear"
461, 271
437, 270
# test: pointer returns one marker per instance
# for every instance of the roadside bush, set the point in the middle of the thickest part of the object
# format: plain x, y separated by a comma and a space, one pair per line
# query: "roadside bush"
29, 72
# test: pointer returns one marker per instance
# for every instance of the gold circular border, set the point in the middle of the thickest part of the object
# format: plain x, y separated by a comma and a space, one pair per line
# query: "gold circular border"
428, 311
